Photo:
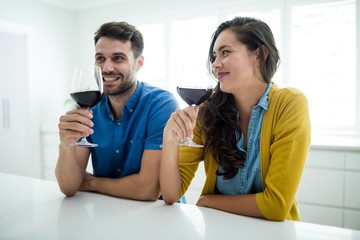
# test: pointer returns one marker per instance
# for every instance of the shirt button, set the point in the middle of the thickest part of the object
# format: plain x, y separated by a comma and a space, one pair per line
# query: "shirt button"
119, 123
131, 110
117, 151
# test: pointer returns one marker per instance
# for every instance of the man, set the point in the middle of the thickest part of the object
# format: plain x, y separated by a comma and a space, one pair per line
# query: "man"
127, 124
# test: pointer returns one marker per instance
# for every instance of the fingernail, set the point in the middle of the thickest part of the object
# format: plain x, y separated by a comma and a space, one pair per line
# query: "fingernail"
90, 115
91, 131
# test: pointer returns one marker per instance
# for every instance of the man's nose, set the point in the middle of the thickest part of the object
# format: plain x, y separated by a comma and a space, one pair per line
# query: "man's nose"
108, 66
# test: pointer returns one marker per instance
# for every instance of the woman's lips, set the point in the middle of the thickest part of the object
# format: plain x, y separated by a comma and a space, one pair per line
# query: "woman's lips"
220, 75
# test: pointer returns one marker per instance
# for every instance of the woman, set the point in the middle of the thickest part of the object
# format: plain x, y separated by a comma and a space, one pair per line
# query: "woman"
255, 135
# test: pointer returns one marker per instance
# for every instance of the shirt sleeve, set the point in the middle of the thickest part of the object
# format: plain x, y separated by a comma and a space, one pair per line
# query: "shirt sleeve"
161, 108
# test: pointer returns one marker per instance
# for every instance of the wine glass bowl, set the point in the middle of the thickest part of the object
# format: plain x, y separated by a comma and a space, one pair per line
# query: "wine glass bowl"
194, 89
193, 96
86, 91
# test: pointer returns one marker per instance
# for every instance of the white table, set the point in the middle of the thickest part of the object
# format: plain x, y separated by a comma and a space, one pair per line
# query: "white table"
36, 209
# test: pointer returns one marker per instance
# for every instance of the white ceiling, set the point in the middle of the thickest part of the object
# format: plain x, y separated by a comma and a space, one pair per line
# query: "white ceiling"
80, 4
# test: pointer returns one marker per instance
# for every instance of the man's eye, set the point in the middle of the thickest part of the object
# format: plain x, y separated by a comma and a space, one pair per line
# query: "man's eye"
99, 59
118, 58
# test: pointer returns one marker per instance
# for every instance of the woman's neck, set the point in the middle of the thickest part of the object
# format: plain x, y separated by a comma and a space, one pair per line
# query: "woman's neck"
248, 97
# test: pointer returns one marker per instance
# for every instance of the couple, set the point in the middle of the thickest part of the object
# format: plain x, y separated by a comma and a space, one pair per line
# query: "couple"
255, 134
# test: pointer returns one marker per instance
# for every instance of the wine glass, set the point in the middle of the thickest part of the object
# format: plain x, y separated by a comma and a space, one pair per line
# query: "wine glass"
194, 88
86, 91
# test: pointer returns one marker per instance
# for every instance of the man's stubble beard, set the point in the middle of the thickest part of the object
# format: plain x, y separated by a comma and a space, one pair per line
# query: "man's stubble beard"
124, 86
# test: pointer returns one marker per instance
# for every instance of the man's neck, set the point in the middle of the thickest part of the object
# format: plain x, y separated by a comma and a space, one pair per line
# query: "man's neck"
117, 102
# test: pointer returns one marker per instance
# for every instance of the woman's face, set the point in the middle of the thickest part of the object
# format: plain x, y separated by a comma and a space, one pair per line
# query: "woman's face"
235, 66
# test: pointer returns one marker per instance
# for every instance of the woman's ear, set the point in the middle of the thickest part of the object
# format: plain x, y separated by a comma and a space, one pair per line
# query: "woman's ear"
262, 50
265, 51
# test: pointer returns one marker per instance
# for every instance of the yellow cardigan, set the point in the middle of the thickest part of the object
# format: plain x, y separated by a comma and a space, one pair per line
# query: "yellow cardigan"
284, 144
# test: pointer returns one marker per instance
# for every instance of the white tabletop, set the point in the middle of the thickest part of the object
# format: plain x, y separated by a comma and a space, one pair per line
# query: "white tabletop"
36, 209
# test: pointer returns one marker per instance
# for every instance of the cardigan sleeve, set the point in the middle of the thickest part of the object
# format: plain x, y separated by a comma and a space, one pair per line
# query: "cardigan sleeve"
189, 159
285, 141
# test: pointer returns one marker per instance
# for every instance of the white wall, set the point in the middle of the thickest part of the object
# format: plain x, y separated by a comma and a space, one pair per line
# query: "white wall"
53, 51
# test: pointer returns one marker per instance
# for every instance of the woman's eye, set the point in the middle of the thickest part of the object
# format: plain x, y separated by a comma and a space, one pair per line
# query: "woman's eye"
213, 58
225, 52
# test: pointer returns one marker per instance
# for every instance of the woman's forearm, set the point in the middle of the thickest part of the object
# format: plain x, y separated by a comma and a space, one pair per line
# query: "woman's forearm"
170, 179
238, 204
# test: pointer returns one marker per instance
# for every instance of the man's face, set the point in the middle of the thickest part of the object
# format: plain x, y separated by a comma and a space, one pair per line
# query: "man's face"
118, 65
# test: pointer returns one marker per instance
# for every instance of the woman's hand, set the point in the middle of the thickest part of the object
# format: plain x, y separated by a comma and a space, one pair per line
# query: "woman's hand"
181, 124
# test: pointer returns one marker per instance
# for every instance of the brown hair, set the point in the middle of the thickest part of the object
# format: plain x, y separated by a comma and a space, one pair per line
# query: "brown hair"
218, 115
123, 32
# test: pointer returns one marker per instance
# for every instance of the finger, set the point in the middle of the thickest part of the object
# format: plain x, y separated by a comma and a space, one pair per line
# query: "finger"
77, 117
86, 112
74, 125
68, 136
180, 123
190, 120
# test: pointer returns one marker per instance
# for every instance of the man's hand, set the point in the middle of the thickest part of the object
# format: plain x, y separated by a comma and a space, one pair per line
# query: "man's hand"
86, 184
73, 125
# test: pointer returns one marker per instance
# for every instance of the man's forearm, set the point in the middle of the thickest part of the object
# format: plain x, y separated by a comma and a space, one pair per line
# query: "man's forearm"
68, 172
131, 187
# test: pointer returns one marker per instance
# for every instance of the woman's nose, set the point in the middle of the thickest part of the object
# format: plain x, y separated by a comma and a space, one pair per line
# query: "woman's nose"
216, 64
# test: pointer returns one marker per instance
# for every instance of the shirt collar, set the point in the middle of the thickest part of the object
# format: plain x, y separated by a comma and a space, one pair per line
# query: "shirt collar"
264, 100
131, 103
134, 99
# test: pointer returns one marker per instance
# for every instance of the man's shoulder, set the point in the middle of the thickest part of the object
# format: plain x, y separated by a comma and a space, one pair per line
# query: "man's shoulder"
150, 91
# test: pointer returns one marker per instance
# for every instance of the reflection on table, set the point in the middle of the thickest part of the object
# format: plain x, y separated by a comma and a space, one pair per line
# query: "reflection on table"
36, 209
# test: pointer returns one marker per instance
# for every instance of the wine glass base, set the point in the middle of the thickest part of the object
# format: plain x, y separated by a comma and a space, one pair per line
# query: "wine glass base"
84, 143
189, 144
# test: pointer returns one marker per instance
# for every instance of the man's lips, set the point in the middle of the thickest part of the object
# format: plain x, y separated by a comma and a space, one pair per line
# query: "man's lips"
108, 79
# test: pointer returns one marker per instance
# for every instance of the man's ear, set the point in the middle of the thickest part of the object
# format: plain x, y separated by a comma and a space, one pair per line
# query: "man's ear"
139, 62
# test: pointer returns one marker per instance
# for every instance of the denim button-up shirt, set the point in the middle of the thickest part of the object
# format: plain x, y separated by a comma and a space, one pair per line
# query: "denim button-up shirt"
121, 142
248, 179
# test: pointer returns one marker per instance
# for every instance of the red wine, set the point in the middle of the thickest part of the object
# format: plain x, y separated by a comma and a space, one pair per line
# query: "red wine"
194, 96
86, 99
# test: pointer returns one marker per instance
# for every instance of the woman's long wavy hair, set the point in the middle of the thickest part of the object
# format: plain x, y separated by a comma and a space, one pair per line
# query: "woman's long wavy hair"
218, 115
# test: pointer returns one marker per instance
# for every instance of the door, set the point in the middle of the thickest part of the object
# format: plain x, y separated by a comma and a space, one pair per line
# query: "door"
16, 142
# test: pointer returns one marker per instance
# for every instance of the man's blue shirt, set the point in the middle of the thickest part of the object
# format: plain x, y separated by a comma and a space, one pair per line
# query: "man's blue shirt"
121, 142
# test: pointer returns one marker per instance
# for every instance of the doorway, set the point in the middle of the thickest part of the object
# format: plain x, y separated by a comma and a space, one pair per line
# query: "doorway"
19, 131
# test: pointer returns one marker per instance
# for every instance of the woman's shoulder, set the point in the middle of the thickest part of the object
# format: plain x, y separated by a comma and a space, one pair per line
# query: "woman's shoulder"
286, 93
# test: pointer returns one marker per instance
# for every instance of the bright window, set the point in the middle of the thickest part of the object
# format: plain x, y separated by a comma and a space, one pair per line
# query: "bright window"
323, 62
316, 40
154, 69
